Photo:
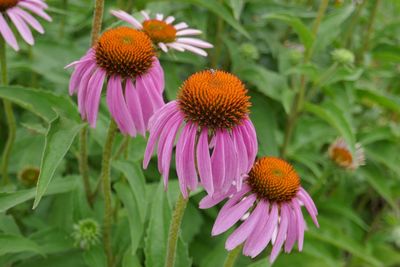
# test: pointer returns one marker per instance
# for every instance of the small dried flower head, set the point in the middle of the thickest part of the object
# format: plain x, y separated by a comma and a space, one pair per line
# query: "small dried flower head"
340, 153
86, 233
250, 51
29, 176
343, 56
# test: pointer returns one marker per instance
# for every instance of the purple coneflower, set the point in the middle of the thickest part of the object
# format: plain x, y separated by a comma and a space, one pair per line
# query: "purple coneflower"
124, 58
340, 153
16, 12
165, 34
272, 197
217, 142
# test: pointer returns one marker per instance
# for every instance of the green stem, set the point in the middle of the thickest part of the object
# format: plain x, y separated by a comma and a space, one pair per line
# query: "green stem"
123, 148
106, 183
97, 20
299, 100
174, 230
9, 115
218, 41
369, 32
63, 18
232, 256
354, 19
325, 76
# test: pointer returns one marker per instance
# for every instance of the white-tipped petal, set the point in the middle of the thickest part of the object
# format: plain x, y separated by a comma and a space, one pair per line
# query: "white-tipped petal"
188, 32
163, 47
181, 25
194, 42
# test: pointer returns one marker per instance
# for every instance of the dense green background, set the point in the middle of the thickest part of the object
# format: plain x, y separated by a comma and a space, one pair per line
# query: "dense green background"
258, 40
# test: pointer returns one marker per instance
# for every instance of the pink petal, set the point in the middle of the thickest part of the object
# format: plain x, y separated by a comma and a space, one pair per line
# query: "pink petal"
218, 162
169, 19
181, 26
231, 161
95, 87
246, 228
28, 18
283, 226
7, 33
188, 32
300, 224
227, 218
251, 243
117, 106
122, 15
154, 94
241, 150
204, 162
134, 107
21, 26
210, 201
309, 204
292, 229
189, 165
35, 9
180, 158
39, 3
145, 15
195, 42
83, 89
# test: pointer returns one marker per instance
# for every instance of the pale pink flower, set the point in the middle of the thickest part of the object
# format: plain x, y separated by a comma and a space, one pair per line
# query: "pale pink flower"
165, 34
16, 11
125, 60
216, 141
340, 153
269, 204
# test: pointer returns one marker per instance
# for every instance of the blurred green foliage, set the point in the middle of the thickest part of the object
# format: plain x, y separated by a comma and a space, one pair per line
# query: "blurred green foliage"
265, 43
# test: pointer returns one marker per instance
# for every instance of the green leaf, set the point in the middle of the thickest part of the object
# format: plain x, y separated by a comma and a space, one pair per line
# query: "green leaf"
16, 244
136, 223
221, 11
157, 233
390, 102
59, 138
334, 116
95, 257
237, 7
305, 35
45, 104
9, 200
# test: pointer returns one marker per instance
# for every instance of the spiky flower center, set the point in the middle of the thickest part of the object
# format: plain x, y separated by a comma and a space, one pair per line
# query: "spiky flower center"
274, 179
341, 156
6, 4
29, 176
124, 51
159, 31
214, 99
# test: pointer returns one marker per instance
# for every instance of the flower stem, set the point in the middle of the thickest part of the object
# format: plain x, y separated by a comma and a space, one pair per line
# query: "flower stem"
97, 20
232, 256
106, 183
174, 230
9, 116
299, 100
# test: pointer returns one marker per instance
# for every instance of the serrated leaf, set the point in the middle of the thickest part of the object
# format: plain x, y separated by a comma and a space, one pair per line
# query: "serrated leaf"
59, 138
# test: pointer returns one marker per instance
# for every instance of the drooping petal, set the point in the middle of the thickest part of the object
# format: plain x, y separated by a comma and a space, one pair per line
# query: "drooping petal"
204, 162
117, 106
194, 42
28, 18
245, 229
83, 89
218, 162
7, 33
39, 3
251, 242
231, 160
156, 98
283, 225
21, 26
157, 126
212, 200
292, 229
180, 158
241, 151
310, 206
35, 9
300, 224
135, 107
189, 166
227, 218
122, 15
95, 86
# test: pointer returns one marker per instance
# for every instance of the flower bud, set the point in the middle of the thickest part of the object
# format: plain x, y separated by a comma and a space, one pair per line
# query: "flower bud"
86, 233
249, 51
343, 56
29, 176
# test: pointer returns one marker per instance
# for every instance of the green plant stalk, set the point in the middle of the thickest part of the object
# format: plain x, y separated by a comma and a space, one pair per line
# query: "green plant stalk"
174, 229
370, 29
232, 256
299, 100
9, 115
63, 19
354, 19
83, 156
218, 41
106, 183
326, 75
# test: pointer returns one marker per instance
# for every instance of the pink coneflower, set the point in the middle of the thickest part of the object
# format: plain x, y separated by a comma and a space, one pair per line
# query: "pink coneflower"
166, 35
217, 142
272, 196
125, 59
340, 153
16, 12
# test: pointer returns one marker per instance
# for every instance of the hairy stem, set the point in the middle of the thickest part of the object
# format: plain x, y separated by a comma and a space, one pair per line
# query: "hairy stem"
97, 20
174, 229
9, 115
106, 183
232, 256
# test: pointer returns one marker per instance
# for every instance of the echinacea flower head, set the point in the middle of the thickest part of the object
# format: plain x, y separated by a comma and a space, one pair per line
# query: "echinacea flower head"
86, 233
165, 34
217, 142
123, 58
340, 153
270, 201
18, 13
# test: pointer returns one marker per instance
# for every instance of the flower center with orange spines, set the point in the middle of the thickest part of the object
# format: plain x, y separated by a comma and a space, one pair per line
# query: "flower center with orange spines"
6, 4
274, 179
159, 31
342, 156
214, 99
124, 51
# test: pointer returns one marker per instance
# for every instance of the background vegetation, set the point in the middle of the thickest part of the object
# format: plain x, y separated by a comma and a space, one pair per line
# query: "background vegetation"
275, 47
